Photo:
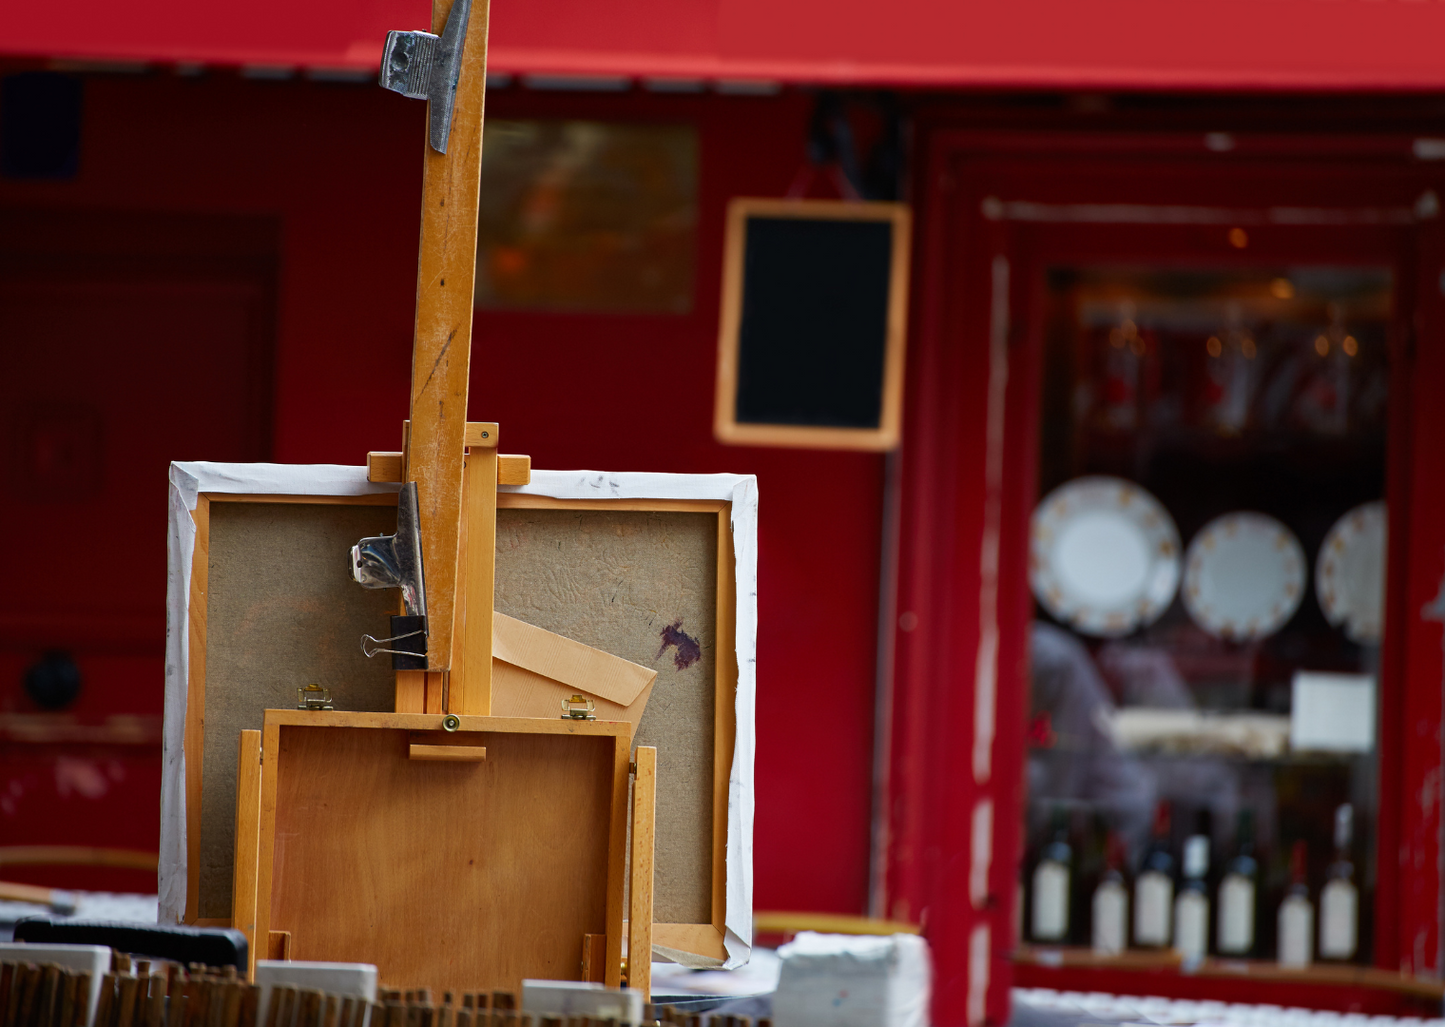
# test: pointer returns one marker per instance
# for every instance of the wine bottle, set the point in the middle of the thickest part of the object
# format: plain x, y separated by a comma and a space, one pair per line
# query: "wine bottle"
1296, 914
1191, 906
1154, 886
1111, 903
1050, 919
1237, 893
1340, 899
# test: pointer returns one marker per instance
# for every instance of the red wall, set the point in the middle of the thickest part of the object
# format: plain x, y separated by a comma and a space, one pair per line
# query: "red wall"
339, 167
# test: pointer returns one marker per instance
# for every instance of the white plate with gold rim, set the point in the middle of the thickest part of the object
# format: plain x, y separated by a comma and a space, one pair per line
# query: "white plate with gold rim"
1103, 556
1350, 573
1244, 576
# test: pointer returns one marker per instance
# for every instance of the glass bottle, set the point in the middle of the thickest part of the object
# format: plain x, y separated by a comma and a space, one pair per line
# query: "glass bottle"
1340, 899
1237, 892
1050, 919
1191, 906
1111, 903
1297, 914
1154, 887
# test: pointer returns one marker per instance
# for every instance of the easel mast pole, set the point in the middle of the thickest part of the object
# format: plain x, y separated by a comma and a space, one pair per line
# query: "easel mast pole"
441, 354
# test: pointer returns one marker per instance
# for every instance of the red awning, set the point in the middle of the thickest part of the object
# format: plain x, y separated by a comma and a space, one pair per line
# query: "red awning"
1114, 44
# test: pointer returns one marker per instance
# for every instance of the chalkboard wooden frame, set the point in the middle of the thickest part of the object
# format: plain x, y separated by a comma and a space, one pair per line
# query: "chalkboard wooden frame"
726, 427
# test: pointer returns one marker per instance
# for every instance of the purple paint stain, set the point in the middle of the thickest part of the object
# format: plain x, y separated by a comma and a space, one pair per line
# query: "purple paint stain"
688, 649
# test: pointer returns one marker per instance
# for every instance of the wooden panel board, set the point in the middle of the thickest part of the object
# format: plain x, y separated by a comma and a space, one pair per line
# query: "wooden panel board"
275, 609
814, 317
453, 876
639, 584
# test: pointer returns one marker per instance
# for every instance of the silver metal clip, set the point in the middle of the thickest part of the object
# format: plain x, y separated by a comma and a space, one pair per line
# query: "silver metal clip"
395, 561
376, 644
426, 66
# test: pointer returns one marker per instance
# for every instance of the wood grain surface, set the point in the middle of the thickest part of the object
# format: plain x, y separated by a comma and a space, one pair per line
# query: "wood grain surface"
449, 875
441, 349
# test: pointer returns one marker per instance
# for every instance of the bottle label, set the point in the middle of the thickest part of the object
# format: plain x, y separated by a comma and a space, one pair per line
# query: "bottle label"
1191, 925
1153, 902
1236, 915
1339, 916
1051, 901
1296, 931
1111, 903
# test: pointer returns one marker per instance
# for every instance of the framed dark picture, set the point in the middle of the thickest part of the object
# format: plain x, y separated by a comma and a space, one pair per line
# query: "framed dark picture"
814, 311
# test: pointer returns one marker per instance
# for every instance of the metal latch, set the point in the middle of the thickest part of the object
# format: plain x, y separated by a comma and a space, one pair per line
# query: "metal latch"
313, 697
426, 66
578, 708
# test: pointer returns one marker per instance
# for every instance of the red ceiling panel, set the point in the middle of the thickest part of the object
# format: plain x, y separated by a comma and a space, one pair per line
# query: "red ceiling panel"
1129, 44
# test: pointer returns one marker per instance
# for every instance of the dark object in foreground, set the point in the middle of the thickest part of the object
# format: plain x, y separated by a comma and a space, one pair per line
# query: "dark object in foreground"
213, 946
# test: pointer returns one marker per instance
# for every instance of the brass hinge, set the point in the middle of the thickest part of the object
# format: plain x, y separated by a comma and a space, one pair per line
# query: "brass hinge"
313, 697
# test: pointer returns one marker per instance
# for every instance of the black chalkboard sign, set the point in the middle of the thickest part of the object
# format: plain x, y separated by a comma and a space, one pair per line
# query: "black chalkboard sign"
810, 352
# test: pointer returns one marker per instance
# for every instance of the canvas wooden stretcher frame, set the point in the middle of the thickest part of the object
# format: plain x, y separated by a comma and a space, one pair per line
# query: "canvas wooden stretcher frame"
704, 939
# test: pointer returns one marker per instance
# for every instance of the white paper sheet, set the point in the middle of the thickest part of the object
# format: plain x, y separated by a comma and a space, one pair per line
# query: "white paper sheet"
190, 480
1332, 712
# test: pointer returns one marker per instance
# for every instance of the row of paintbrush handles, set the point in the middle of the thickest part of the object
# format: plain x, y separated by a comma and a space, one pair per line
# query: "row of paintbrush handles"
134, 994
670, 1015
499, 1009
157, 993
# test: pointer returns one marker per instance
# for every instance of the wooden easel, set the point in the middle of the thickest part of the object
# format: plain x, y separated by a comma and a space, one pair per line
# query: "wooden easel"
451, 810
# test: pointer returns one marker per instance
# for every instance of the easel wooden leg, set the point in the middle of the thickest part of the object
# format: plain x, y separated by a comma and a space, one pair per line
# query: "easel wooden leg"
411, 691
442, 346
436, 684
470, 686
594, 958
644, 843
248, 843
278, 945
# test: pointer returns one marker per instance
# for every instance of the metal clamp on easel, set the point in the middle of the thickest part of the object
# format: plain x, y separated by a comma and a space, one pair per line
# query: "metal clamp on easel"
425, 66
395, 561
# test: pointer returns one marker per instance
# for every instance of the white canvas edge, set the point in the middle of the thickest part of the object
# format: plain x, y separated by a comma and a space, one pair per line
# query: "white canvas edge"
188, 480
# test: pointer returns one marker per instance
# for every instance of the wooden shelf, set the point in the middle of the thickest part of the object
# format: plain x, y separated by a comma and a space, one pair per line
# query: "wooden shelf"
1256, 970
56, 728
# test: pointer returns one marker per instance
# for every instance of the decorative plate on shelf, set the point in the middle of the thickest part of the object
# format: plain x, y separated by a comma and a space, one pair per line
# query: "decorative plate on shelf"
1244, 576
1103, 556
1350, 573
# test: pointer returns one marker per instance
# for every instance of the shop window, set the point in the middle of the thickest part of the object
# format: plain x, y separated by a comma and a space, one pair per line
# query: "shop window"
1207, 558
587, 216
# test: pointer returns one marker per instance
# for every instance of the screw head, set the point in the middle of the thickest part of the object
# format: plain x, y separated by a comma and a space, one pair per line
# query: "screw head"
451, 722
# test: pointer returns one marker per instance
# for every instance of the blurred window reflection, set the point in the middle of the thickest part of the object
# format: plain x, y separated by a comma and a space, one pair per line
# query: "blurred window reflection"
1217, 392
587, 216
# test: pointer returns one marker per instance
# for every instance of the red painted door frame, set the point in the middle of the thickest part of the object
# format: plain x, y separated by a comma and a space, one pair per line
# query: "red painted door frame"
954, 815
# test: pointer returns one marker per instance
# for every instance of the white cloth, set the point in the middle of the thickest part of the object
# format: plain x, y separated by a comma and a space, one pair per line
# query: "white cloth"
840, 980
